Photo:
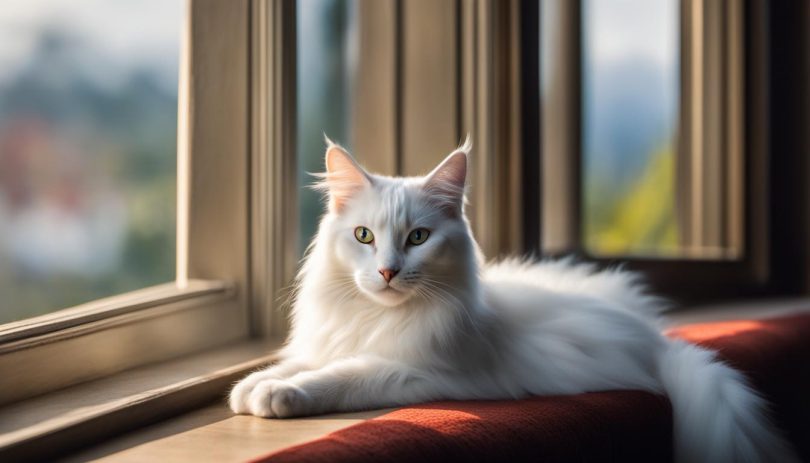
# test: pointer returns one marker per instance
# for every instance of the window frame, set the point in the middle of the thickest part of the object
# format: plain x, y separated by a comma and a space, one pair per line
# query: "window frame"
743, 27
221, 291
273, 191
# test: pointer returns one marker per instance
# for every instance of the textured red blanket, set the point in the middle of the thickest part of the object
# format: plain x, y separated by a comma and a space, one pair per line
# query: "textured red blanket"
603, 426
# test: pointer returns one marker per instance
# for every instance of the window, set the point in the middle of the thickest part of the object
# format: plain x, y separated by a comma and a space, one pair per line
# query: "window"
327, 58
645, 152
87, 151
630, 94
106, 186
658, 126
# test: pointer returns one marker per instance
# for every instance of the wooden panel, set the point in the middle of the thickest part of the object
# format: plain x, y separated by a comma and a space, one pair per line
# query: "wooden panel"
510, 127
261, 267
734, 129
43, 428
213, 164
689, 127
467, 52
273, 170
430, 121
485, 171
494, 100
475, 65
757, 133
374, 109
41, 364
561, 127
710, 169
105, 308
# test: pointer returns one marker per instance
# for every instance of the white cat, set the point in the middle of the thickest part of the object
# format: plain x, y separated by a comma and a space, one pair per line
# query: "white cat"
394, 306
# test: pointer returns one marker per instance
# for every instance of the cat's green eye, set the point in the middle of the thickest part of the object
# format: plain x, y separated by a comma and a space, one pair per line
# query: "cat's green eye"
418, 236
363, 235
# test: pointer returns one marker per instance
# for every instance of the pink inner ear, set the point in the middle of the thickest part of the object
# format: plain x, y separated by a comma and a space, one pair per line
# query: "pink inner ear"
343, 177
453, 171
446, 183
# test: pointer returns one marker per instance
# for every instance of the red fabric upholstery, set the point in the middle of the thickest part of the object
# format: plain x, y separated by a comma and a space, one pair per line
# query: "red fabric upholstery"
603, 426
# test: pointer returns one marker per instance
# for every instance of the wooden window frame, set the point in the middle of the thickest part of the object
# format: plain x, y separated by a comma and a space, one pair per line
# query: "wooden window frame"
735, 125
274, 202
235, 115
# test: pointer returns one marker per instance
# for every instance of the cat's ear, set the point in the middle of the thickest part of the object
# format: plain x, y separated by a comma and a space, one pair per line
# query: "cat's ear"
446, 183
343, 177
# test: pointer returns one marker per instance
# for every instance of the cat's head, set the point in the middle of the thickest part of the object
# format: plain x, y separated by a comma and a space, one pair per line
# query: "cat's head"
398, 239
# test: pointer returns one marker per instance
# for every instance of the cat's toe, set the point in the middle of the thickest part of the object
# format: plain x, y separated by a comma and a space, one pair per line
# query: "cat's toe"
275, 398
261, 398
290, 400
240, 394
238, 399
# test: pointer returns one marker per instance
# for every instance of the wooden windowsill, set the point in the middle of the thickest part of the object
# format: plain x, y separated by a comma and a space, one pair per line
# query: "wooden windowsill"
214, 434
48, 426
81, 317
102, 338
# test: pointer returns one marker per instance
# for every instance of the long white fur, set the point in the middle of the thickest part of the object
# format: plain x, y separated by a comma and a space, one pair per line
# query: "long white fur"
455, 328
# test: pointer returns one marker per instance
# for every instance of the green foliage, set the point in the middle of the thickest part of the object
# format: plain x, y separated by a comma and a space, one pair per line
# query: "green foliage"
640, 220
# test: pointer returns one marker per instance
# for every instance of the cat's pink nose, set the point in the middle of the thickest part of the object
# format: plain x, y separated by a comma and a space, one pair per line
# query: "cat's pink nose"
388, 273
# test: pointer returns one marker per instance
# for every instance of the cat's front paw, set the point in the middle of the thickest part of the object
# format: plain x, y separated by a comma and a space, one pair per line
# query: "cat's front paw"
274, 398
240, 394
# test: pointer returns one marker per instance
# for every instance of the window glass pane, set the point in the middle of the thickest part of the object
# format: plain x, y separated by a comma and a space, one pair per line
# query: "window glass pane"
88, 119
630, 71
327, 51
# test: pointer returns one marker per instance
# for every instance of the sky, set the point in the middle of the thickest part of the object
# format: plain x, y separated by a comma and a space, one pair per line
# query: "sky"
646, 29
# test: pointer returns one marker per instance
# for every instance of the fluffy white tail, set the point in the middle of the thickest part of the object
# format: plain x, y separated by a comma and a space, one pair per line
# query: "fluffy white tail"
718, 417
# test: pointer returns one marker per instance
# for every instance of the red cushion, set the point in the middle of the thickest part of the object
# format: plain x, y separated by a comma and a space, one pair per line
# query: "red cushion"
602, 426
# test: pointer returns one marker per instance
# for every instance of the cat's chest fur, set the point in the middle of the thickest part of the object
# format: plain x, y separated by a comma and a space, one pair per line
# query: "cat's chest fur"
336, 330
